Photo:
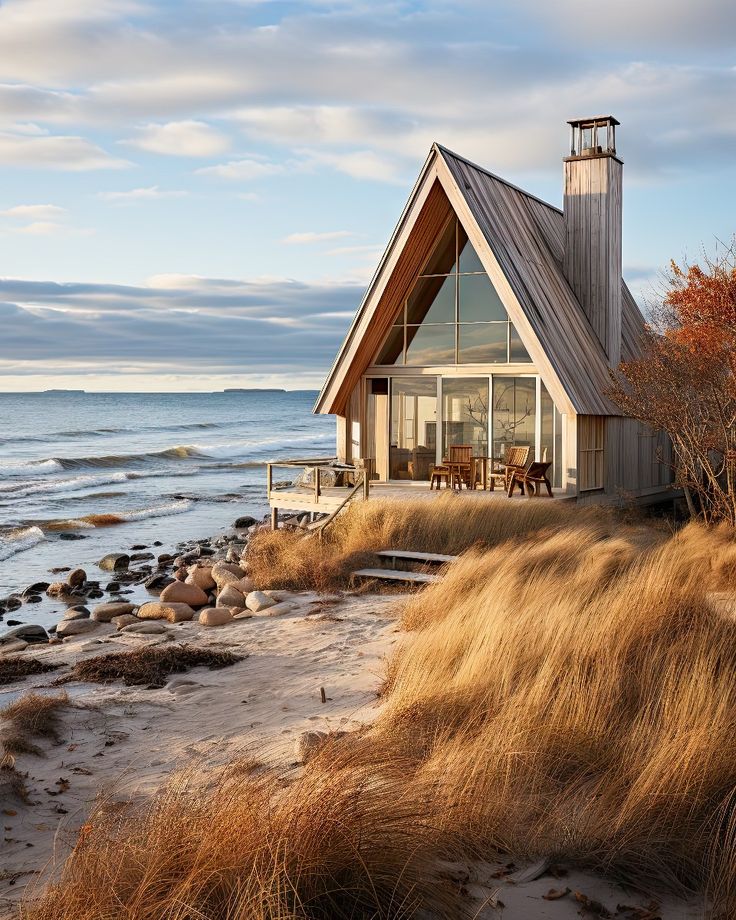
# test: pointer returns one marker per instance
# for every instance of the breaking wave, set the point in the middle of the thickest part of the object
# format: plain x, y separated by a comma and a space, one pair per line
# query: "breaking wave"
120, 517
24, 488
18, 540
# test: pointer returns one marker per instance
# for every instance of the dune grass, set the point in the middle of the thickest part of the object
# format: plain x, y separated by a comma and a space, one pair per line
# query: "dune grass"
31, 717
449, 524
571, 694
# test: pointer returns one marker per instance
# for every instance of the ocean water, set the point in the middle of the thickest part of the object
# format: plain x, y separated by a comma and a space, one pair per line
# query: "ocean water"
123, 468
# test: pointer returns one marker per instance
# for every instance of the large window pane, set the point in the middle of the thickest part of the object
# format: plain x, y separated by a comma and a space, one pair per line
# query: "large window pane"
478, 300
427, 345
514, 412
465, 413
483, 343
442, 260
393, 349
469, 261
551, 442
432, 301
413, 427
517, 351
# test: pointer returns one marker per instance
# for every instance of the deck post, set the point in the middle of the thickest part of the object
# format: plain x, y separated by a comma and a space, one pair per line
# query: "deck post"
366, 485
269, 479
274, 518
316, 484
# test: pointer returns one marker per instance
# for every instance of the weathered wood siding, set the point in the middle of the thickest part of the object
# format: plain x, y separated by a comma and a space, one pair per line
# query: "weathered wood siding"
638, 460
592, 259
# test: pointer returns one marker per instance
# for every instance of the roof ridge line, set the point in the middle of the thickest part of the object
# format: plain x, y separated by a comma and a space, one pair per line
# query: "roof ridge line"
516, 188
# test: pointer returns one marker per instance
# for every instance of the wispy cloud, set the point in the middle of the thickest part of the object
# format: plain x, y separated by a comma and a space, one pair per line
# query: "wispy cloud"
180, 139
149, 193
311, 236
72, 154
243, 170
34, 212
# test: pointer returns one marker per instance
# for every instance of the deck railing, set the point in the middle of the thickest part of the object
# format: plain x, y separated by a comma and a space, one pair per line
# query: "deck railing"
315, 465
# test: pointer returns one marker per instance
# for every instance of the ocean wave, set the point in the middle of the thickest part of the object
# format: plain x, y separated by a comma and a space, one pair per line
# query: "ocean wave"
102, 432
178, 452
120, 517
16, 541
24, 488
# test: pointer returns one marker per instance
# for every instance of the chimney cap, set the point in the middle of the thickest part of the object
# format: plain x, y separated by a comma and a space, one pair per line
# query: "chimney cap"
593, 120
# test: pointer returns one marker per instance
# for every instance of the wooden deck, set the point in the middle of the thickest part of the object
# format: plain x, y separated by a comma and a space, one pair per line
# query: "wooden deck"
330, 498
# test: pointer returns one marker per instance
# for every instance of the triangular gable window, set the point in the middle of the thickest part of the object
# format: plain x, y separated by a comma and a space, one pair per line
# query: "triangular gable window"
453, 314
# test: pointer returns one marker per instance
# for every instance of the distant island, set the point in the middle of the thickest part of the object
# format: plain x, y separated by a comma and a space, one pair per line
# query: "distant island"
253, 390
66, 392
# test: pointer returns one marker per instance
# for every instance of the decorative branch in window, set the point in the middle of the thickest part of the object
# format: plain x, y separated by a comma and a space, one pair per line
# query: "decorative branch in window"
508, 415
476, 409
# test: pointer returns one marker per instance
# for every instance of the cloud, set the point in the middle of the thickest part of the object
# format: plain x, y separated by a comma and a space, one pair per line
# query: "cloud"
34, 212
361, 164
51, 228
180, 139
277, 327
314, 237
244, 170
133, 195
72, 154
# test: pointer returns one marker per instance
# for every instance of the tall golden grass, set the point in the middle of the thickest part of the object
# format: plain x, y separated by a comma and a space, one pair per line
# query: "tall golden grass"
571, 695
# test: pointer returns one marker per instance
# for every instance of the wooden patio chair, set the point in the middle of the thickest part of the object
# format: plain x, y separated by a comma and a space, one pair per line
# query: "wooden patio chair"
462, 454
516, 459
533, 477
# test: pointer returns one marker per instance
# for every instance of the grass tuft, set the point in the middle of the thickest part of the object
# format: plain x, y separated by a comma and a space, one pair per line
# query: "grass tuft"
30, 717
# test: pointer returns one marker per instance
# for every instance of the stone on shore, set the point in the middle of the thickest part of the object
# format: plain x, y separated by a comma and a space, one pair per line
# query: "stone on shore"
104, 613
257, 601
75, 614
9, 646
59, 589
230, 597
245, 585
151, 628
226, 573
180, 592
37, 587
76, 578
244, 522
215, 616
114, 562
201, 576
158, 581
68, 628
279, 609
125, 619
173, 612
28, 632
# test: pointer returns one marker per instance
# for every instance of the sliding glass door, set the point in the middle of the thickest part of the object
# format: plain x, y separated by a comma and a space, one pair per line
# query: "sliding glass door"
465, 414
413, 445
514, 414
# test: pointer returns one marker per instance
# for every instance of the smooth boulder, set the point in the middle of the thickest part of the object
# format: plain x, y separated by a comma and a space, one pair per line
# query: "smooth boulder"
179, 592
230, 597
151, 628
201, 576
226, 573
76, 578
104, 613
114, 562
174, 613
215, 616
124, 620
28, 632
68, 628
257, 601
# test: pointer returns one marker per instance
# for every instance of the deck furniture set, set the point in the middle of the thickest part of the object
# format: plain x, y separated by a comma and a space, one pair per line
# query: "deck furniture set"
518, 468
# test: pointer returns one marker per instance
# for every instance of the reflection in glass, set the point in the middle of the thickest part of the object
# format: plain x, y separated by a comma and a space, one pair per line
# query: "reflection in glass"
413, 427
551, 441
478, 300
428, 344
483, 343
465, 413
393, 349
442, 260
517, 351
514, 413
469, 261
432, 301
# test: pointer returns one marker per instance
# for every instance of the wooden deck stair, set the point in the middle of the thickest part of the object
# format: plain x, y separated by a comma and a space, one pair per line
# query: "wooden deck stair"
404, 575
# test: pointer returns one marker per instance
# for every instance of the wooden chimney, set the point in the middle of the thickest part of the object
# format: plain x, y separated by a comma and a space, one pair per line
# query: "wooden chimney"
592, 207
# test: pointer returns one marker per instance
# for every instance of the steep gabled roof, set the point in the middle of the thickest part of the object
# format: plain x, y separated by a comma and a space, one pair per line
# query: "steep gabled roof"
519, 239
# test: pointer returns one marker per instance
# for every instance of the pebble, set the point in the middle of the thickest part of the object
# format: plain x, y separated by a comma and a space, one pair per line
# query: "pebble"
114, 561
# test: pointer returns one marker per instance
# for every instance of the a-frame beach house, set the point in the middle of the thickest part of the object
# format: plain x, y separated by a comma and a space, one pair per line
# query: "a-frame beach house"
494, 319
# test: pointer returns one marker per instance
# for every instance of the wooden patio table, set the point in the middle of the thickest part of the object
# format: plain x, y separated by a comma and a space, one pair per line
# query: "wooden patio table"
490, 470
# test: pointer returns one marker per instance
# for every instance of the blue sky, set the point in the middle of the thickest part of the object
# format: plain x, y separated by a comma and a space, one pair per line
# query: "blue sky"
195, 194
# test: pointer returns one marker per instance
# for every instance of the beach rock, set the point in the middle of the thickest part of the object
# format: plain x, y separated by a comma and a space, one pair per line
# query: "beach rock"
245, 585
181, 593
230, 597
226, 573
15, 622
58, 569
8, 646
75, 628
164, 557
157, 543
96, 594
201, 576
113, 562
37, 587
29, 632
242, 523
241, 613
174, 613
13, 602
158, 582
75, 614
112, 586
215, 616
141, 557
257, 601
34, 599
104, 613
123, 620
70, 535
139, 546
180, 574
308, 743
147, 629
278, 609
76, 578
